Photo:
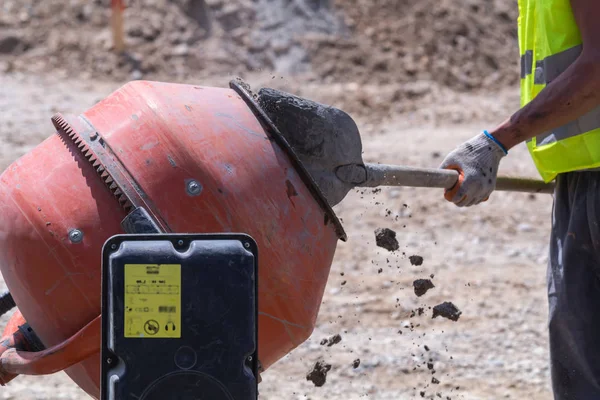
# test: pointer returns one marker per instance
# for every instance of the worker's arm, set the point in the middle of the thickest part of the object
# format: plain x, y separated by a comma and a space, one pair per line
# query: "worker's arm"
574, 93
571, 95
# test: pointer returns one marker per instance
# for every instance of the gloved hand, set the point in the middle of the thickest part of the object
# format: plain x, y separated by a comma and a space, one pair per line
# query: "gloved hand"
477, 162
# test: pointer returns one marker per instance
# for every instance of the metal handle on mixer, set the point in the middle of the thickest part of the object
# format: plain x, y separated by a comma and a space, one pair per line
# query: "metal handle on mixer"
372, 175
77, 348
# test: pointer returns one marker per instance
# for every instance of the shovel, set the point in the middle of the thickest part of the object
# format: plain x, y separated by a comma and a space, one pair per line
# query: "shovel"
328, 143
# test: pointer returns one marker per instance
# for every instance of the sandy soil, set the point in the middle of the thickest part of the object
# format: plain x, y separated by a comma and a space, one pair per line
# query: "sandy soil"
402, 48
489, 261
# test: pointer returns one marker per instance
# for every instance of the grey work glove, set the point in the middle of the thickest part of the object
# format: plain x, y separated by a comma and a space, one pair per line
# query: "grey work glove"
477, 162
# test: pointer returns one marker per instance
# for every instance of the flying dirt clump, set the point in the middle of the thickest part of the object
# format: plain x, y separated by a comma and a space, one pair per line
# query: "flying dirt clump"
318, 373
335, 339
386, 238
447, 310
421, 286
356, 363
420, 311
416, 260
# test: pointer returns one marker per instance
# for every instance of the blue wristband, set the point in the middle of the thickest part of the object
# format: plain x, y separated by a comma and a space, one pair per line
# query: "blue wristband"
497, 142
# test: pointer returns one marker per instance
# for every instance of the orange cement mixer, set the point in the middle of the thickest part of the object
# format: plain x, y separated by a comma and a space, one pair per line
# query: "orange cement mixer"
192, 159
198, 159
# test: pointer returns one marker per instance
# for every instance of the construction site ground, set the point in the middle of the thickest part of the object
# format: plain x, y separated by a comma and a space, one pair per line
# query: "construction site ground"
490, 261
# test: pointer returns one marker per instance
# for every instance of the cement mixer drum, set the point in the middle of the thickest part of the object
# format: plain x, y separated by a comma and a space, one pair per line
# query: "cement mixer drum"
199, 159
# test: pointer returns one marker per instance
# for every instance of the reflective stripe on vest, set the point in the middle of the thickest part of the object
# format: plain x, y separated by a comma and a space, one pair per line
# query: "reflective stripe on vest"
526, 63
549, 42
552, 66
545, 72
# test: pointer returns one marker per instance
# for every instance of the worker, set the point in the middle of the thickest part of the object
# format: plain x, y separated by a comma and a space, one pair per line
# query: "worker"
559, 120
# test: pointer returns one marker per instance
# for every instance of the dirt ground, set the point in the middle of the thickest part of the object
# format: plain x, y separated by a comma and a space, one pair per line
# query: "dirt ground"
489, 261
383, 56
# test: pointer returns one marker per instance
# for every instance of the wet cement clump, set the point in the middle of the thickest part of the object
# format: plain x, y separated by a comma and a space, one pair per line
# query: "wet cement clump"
318, 373
447, 310
335, 339
421, 286
416, 260
386, 238
356, 363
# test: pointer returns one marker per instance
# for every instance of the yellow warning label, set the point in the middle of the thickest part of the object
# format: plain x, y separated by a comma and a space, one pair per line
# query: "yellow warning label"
152, 301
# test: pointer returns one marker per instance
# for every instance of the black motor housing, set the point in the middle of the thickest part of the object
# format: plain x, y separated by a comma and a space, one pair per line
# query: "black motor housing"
179, 317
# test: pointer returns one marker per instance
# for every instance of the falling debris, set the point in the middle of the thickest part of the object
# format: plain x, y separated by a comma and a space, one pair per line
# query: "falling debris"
416, 260
386, 238
421, 286
435, 381
447, 310
318, 373
420, 311
335, 339
356, 363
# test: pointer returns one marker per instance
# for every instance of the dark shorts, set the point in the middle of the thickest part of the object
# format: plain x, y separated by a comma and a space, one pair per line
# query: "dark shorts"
574, 287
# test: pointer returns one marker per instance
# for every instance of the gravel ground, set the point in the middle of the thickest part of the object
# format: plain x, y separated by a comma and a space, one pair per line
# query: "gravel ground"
489, 261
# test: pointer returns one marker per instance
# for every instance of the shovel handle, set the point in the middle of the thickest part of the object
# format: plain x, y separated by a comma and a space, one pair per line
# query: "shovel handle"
373, 175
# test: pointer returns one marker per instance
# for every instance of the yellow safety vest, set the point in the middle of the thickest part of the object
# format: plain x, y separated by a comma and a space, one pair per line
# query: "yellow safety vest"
550, 41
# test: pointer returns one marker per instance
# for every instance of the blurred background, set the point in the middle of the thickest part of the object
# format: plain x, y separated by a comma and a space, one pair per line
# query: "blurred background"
419, 77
